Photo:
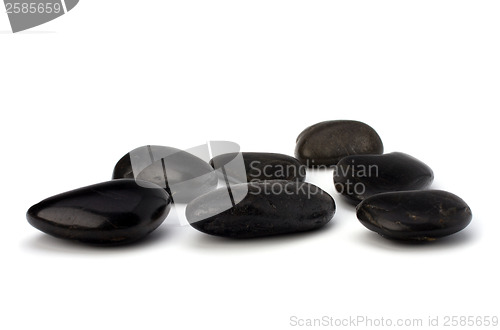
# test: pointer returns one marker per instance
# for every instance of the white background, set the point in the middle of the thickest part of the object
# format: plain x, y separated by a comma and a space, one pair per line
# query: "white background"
79, 92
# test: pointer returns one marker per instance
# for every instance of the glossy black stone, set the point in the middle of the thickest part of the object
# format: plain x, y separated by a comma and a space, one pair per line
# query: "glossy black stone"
360, 176
264, 209
261, 166
108, 213
414, 215
325, 143
182, 174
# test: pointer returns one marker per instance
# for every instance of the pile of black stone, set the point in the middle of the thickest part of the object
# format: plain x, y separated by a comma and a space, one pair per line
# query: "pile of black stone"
249, 194
389, 190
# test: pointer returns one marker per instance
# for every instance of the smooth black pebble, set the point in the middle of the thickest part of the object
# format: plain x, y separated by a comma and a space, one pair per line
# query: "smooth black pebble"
414, 215
182, 174
325, 143
360, 176
260, 166
261, 209
108, 213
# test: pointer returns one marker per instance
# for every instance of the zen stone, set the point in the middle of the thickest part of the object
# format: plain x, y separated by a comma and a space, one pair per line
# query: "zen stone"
360, 176
325, 143
414, 215
261, 209
182, 174
108, 213
260, 166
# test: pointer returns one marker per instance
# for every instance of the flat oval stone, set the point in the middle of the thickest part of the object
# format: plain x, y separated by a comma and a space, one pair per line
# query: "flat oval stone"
108, 213
325, 143
414, 215
360, 176
182, 174
264, 209
261, 166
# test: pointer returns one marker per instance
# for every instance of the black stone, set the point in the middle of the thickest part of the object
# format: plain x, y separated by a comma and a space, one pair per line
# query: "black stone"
108, 213
182, 174
414, 215
260, 166
360, 176
261, 209
325, 143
